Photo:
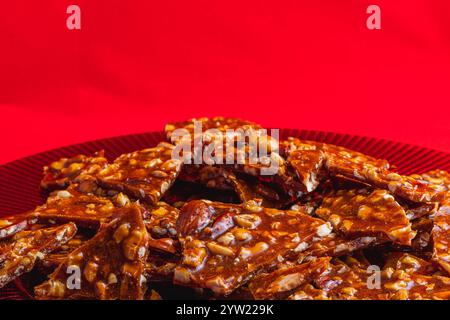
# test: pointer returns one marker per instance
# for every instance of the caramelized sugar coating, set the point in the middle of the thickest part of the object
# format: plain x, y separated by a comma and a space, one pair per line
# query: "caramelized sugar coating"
146, 174
11, 225
86, 210
19, 254
111, 264
218, 123
441, 236
224, 245
367, 213
342, 281
375, 172
280, 283
59, 174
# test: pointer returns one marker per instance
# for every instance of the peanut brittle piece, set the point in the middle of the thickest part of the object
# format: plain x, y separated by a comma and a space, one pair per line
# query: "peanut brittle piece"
437, 177
249, 150
111, 264
294, 144
407, 285
11, 225
224, 245
357, 213
55, 258
239, 145
282, 282
344, 282
19, 255
403, 186
441, 236
146, 174
338, 152
258, 157
307, 165
424, 288
340, 282
271, 166
355, 165
59, 174
335, 245
409, 263
218, 123
85, 210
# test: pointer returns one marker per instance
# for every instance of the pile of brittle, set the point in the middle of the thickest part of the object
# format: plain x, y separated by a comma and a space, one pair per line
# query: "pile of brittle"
330, 223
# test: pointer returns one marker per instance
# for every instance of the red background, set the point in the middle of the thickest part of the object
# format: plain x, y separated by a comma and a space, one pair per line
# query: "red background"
303, 64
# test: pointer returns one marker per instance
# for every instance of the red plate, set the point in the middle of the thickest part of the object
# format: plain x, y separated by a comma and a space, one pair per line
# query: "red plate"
19, 180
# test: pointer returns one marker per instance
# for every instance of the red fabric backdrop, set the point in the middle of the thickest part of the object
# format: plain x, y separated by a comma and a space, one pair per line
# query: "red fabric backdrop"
306, 64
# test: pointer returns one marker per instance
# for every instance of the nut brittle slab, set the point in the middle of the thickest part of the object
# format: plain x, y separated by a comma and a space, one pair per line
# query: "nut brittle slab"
403, 186
441, 236
86, 210
59, 174
52, 260
355, 165
111, 264
437, 177
224, 245
280, 283
410, 264
335, 245
294, 144
307, 165
344, 282
20, 253
11, 225
219, 123
367, 213
146, 174
246, 149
